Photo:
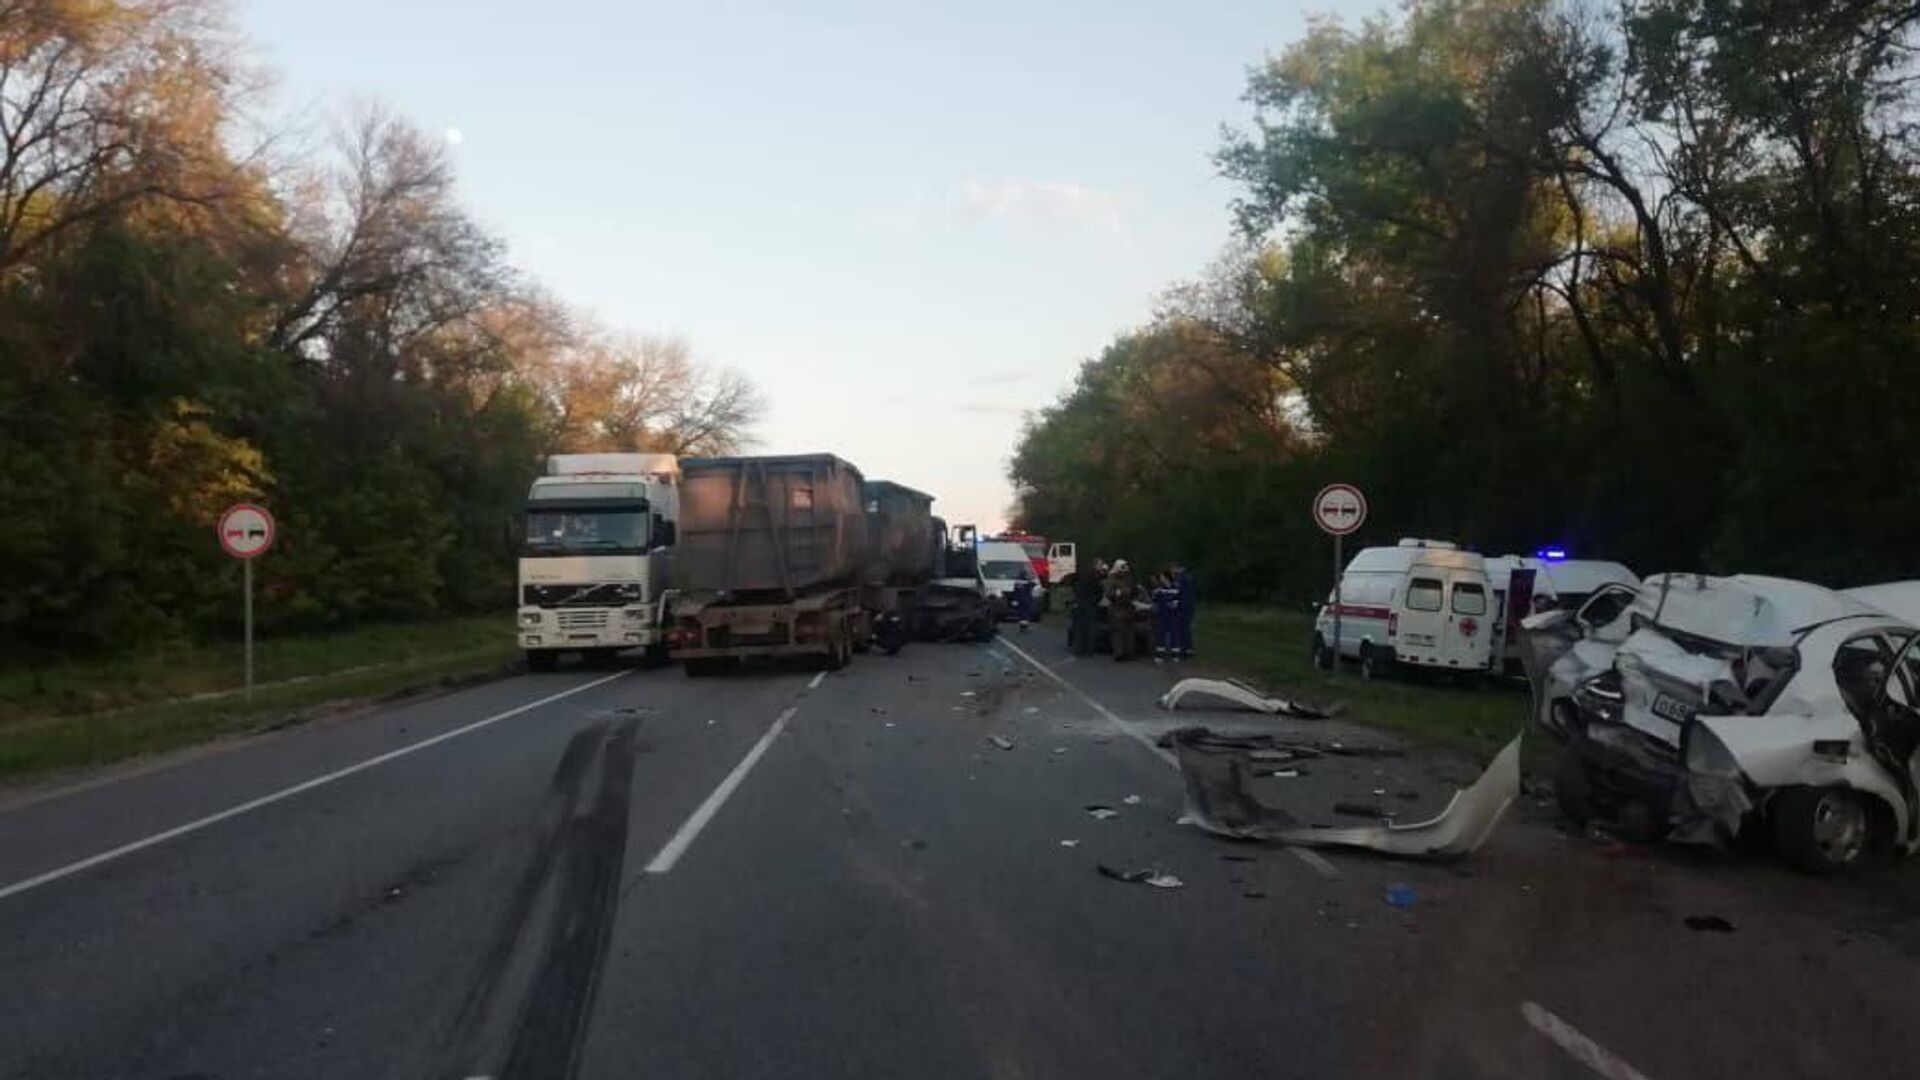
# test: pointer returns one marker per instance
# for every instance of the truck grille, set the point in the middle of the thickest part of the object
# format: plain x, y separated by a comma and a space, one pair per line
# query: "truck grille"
604, 595
582, 620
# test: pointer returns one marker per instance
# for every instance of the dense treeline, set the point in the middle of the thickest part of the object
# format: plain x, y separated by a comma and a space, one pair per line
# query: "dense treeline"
185, 323
1635, 277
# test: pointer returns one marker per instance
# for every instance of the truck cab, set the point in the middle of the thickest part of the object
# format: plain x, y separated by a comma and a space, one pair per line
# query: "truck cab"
595, 555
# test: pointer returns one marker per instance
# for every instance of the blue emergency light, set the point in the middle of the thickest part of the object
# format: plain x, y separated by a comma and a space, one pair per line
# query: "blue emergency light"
1552, 554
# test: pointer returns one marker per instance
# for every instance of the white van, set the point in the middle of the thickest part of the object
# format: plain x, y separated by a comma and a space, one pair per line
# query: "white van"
1548, 583
1423, 603
1003, 564
1061, 562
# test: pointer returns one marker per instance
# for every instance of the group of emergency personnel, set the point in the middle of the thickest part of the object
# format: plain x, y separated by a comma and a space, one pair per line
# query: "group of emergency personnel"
1171, 623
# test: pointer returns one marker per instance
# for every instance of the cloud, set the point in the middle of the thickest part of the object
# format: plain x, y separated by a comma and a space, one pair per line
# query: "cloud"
1003, 377
1055, 202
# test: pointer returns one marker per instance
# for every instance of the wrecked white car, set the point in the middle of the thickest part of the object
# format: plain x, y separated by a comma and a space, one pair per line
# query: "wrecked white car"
1740, 703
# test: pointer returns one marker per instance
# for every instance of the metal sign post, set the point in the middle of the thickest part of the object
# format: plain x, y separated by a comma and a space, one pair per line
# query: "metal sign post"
245, 532
1339, 509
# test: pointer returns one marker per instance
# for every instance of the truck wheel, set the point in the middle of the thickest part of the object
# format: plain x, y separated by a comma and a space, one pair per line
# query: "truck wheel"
655, 654
1322, 656
1819, 830
542, 659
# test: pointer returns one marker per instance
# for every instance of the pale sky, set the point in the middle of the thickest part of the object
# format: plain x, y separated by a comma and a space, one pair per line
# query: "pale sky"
908, 223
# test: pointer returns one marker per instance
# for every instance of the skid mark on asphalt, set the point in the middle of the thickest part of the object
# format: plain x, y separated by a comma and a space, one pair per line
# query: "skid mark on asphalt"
1313, 859
526, 1012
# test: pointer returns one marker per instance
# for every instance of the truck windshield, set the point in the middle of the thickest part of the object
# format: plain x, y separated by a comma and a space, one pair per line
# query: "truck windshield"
587, 531
1003, 570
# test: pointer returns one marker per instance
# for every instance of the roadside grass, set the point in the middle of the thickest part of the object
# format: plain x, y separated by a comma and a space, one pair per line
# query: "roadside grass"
95, 712
1269, 647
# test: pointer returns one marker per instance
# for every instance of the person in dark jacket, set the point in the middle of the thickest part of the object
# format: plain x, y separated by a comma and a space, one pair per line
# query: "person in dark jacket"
1086, 606
1165, 604
1183, 612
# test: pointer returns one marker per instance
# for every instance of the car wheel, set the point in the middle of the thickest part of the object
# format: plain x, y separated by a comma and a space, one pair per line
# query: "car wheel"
1572, 788
542, 659
1819, 830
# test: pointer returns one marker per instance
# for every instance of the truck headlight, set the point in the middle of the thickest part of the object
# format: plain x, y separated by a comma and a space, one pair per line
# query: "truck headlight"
529, 620
634, 614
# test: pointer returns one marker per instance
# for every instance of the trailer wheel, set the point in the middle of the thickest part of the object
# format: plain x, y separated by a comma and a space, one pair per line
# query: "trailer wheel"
542, 659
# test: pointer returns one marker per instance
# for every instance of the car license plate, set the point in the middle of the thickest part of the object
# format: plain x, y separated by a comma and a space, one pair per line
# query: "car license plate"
1672, 708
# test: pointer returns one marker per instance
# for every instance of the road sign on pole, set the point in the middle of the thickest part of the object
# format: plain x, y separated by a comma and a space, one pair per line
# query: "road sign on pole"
246, 532
1339, 509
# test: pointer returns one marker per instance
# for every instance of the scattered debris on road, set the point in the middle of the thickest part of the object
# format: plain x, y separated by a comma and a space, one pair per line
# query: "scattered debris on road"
1365, 810
1239, 693
1001, 741
1254, 894
1131, 800
1155, 878
1229, 857
1402, 895
1217, 770
1709, 922
1031, 710
1102, 813
1069, 843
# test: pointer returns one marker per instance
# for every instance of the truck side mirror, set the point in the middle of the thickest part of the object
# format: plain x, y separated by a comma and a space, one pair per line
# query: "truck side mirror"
665, 535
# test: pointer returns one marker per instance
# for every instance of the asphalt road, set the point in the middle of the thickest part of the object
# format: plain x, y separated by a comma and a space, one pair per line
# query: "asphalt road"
611, 873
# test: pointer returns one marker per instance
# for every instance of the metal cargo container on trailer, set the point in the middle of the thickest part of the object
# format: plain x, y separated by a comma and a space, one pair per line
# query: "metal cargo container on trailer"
782, 525
771, 560
900, 533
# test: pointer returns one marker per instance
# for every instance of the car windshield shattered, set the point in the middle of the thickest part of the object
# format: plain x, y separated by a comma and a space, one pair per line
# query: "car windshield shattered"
1087, 541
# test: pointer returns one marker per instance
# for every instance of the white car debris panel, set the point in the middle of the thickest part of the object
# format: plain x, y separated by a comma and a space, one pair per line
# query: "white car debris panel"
1239, 694
1737, 703
1218, 772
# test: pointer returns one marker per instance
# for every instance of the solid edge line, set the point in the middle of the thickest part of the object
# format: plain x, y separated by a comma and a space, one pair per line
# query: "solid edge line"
287, 793
1578, 1045
815, 684
1313, 859
689, 830
1113, 718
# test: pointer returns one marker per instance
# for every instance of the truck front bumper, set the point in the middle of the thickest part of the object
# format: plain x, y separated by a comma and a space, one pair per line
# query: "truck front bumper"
567, 629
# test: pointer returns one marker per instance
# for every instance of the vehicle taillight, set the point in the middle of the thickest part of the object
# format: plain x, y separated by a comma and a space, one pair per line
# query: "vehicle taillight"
1393, 623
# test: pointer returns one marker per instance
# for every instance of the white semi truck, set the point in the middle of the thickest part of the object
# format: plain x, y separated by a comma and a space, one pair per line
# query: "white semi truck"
596, 556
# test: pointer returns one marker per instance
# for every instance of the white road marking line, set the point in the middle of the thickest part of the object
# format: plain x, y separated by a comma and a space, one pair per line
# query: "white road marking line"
1113, 718
1306, 855
1319, 863
1577, 1045
287, 793
815, 684
690, 829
